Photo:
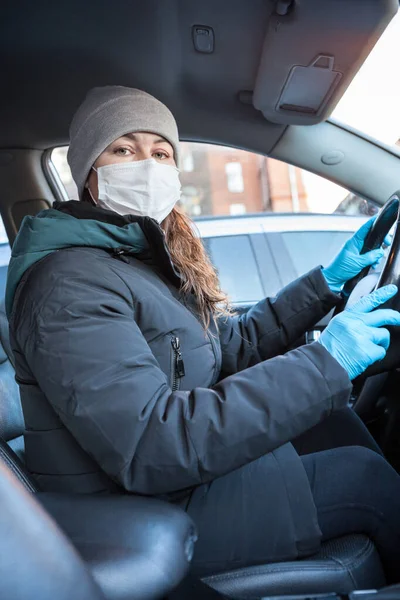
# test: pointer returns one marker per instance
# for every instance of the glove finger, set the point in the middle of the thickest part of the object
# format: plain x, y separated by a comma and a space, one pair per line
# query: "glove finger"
388, 239
373, 300
378, 353
382, 316
360, 235
371, 258
381, 337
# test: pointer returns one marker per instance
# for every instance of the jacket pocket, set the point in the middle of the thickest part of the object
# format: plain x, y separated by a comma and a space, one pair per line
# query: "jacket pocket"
177, 364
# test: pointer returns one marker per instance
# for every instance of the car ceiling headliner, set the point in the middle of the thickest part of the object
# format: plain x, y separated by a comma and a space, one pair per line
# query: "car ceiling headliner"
54, 51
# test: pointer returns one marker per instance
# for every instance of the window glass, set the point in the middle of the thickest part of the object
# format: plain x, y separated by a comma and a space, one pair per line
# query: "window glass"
218, 180
5, 255
227, 181
59, 160
371, 102
234, 258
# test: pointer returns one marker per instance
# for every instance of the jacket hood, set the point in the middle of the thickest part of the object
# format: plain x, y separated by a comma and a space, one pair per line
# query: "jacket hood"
55, 229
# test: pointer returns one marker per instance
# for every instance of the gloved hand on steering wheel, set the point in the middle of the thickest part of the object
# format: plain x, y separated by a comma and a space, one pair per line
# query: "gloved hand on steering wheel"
357, 338
349, 262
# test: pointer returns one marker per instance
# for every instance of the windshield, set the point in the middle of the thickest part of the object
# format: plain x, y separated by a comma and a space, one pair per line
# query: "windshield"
371, 103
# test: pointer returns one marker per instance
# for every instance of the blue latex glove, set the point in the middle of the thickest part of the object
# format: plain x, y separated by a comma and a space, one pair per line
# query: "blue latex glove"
356, 337
349, 262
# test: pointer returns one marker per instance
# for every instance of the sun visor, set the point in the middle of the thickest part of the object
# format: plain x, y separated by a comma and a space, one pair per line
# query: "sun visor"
312, 51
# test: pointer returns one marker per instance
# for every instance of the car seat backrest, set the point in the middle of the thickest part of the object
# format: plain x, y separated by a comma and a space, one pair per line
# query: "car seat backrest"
11, 416
37, 560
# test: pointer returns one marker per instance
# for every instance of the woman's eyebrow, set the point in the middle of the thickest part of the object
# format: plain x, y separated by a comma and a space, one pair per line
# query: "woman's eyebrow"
161, 141
130, 136
133, 137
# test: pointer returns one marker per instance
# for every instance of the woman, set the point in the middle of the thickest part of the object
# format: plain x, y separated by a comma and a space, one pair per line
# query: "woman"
134, 374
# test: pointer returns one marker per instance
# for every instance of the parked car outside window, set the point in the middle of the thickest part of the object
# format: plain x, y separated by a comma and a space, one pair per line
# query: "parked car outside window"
257, 255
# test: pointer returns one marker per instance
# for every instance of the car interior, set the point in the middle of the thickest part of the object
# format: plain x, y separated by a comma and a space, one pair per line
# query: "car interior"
263, 76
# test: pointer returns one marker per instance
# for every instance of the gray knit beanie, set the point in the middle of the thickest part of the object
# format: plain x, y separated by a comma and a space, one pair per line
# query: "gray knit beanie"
106, 114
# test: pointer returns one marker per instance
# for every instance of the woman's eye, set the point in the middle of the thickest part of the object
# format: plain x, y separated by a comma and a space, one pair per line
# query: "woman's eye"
160, 155
122, 151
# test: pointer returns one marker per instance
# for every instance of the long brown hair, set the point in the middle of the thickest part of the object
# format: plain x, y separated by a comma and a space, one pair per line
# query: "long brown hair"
189, 256
198, 274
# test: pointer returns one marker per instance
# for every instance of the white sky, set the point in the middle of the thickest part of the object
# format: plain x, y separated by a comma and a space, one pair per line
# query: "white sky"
372, 101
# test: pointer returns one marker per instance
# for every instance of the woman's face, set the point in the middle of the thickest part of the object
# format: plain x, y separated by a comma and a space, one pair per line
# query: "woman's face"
132, 147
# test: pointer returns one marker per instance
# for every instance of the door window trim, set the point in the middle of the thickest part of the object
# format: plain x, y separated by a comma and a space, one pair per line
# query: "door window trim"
52, 176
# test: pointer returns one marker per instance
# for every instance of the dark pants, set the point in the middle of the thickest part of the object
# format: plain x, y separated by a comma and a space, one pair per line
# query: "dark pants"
342, 428
355, 491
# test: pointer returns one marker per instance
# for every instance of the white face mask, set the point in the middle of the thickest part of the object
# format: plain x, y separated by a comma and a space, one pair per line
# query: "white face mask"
143, 188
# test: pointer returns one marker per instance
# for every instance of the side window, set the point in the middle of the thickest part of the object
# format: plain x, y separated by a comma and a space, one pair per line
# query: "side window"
59, 160
237, 268
223, 181
5, 254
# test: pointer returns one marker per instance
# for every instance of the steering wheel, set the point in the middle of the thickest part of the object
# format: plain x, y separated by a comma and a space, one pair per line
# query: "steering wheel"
353, 289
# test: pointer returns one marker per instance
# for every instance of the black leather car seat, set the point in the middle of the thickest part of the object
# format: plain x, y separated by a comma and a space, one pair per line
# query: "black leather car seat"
342, 565
37, 560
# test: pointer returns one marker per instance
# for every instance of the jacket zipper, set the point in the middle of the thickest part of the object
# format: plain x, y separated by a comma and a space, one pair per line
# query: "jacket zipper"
120, 253
178, 366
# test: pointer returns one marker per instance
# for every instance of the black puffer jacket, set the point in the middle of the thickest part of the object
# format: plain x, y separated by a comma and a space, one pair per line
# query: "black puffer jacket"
111, 398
